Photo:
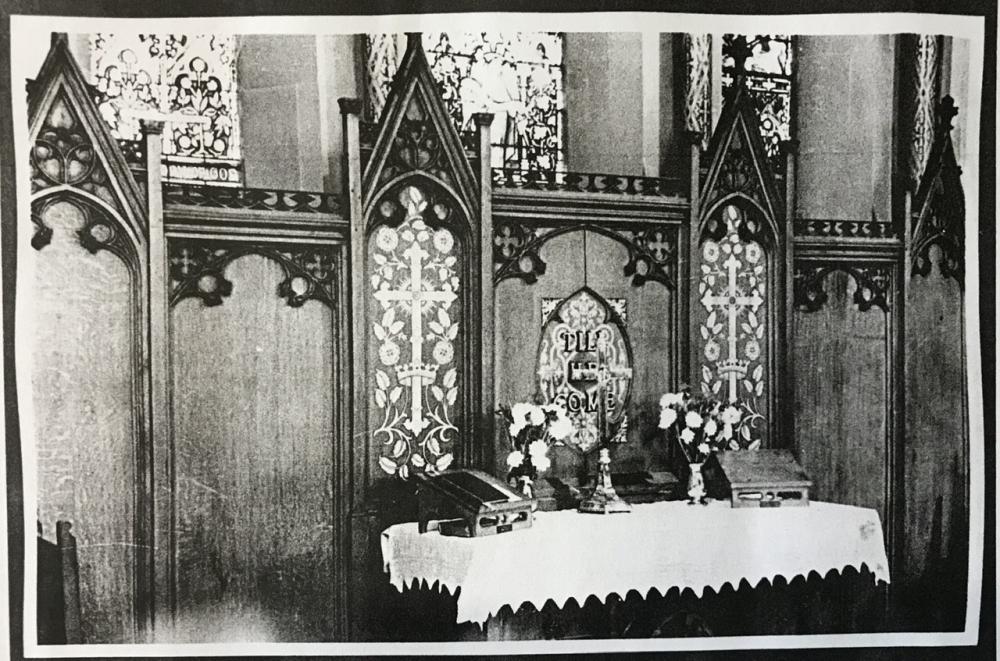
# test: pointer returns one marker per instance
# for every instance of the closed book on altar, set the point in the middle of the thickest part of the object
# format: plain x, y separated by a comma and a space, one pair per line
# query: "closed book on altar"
758, 478
470, 503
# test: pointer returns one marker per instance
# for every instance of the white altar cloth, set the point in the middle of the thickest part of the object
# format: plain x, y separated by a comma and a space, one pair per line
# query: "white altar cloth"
663, 545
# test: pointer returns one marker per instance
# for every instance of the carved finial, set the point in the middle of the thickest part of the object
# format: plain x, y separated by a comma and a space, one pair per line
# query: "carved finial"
483, 118
349, 106
414, 40
947, 110
151, 126
693, 137
741, 50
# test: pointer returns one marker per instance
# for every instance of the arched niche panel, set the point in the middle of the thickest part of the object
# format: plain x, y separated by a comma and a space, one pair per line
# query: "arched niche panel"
86, 402
255, 378
734, 314
649, 316
937, 440
842, 369
420, 348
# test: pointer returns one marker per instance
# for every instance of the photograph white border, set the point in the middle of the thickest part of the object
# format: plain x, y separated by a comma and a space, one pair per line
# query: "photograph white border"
30, 38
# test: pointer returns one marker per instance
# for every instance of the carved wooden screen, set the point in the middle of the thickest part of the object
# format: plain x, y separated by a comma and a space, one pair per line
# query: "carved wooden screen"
842, 348
83, 332
85, 407
254, 352
625, 278
937, 436
421, 283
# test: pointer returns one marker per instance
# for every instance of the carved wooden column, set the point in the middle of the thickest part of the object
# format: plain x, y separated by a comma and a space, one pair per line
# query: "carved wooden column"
350, 110
159, 376
934, 384
482, 453
786, 369
690, 241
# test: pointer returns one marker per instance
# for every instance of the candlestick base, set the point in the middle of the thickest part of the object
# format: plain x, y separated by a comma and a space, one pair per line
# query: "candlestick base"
604, 499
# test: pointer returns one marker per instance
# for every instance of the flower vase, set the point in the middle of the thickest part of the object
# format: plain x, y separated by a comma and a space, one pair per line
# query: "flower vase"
696, 484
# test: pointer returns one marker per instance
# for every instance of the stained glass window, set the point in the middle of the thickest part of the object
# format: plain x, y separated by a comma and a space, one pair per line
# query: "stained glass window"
189, 81
516, 76
769, 80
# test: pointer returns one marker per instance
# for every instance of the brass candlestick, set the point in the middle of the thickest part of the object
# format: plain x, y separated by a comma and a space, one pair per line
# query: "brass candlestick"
603, 499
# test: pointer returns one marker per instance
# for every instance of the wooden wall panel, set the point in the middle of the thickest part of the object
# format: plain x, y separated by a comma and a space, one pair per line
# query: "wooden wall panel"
85, 428
841, 423
936, 445
253, 383
518, 330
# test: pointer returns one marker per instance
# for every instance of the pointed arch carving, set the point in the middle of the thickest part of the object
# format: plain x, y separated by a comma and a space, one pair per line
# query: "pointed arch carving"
939, 205
197, 269
738, 272
422, 272
739, 170
83, 189
72, 148
652, 251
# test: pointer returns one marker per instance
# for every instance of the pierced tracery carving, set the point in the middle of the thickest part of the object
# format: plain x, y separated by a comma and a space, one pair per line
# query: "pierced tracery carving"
98, 231
652, 251
939, 205
63, 154
869, 229
416, 145
197, 268
874, 283
590, 182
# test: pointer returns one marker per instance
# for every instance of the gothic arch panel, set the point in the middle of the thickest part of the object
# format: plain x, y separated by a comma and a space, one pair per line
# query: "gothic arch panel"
418, 349
417, 245
580, 259
256, 378
843, 363
734, 314
84, 325
86, 403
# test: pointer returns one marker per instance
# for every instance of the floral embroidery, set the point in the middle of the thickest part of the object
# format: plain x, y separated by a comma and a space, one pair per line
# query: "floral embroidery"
732, 290
416, 286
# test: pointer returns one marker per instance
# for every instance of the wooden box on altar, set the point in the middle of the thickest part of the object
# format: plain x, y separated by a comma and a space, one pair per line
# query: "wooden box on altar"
759, 478
470, 503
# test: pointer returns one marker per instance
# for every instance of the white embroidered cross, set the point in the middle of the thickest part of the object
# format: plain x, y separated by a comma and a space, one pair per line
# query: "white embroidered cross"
732, 368
416, 374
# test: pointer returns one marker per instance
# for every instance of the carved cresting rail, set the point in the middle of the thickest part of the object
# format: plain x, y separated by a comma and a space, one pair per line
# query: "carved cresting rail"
219, 197
589, 182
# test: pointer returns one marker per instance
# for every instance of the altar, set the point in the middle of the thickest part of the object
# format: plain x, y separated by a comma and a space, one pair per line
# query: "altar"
685, 561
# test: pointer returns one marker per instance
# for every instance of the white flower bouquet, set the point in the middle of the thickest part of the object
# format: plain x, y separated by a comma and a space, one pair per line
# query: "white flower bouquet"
533, 429
702, 425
